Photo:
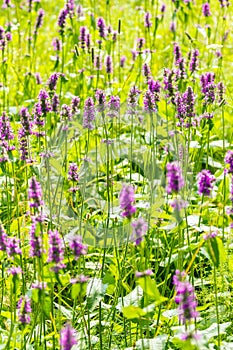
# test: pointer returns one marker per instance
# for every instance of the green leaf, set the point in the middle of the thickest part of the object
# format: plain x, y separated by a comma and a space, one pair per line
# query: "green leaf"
35, 295
212, 331
131, 312
78, 290
133, 298
150, 288
216, 251
47, 306
95, 292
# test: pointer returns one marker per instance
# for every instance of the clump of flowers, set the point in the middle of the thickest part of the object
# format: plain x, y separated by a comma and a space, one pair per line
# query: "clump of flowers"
67, 337
35, 193
73, 172
139, 230
77, 246
127, 198
194, 61
205, 182
132, 100
102, 27
206, 9
89, 114
185, 298
185, 108
56, 250
175, 181
24, 309
109, 65
208, 87
114, 106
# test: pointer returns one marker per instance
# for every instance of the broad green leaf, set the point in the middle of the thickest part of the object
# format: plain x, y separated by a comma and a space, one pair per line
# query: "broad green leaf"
212, 331
78, 290
133, 298
149, 287
95, 292
132, 312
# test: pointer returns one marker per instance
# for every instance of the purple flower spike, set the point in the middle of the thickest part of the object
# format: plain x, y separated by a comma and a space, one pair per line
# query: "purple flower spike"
139, 230
89, 114
56, 250
55, 103
163, 8
65, 113
108, 63
208, 87
62, 20
177, 54
126, 199
36, 249
57, 44
82, 37
101, 99
52, 81
140, 43
146, 70
114, 106
145, 273
26, 120
73, 172
75, 105
24, 307
102, 27
67, 337
172, 27
39, 20
185, 297
206, 9
149, 102
44, 104
76, 245
70, 7
194, 61
221, 90
132, 100
168, 83
147, 21
98, 62
14, 270
35, 193
205, 182
175, 181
